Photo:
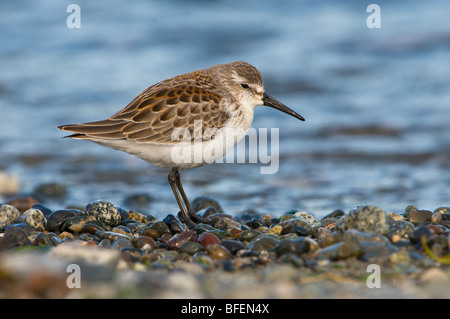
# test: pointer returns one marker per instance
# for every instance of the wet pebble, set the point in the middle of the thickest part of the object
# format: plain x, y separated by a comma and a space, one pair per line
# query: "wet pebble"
123, 230
191, 247
201, 228
57, 219
8, 215
296, 246
298, 221
76, 223
419, 216
249, 235
44, 209
89, 238
34, 217
218, 252
208, 212
290, 226
275, 229
365, 218
91, 228
42, 240
264, 243
105, 243
206, 239
307, 217
158, 229
233, 246
104, 211
179, 239
400, 229
227, 224
292, 259
442, 210
14, 237
420, 231
174, 224
132, 215
121, 242
145, 242
255, 223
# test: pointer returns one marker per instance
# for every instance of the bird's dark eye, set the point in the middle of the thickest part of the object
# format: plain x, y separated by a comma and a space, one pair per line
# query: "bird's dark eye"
245, 85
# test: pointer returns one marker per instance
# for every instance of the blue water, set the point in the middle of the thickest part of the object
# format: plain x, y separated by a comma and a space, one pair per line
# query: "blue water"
376, 101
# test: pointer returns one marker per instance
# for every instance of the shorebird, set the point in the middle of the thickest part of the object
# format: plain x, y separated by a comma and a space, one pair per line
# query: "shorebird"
185, 122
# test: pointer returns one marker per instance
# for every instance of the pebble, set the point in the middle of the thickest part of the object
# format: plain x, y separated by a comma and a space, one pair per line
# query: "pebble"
290, 226
121, 243
8, 215
34, 217
300, 222
206, 239
218, 252
275, 229
179, 239
365, 218
249, 235
295, 242
76, 223
442, 210
292, 259
159, 228
201, 228
227, 224
138, 217
263, 244
307, 217
207, 212
57, 219
42, 240
174, 224
104, 212
233, 246
91, 228
14, 237
416, 235
400, 228
145, 242
419, 216
296, 246
191, 247
44, 209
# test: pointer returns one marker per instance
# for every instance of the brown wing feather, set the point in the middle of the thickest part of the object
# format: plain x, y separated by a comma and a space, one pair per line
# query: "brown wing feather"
153, 115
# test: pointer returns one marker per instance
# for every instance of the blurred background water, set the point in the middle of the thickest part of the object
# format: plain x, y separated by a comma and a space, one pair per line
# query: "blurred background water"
376, 101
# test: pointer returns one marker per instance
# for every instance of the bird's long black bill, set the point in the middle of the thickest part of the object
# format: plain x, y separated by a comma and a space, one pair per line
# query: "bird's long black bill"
269, 101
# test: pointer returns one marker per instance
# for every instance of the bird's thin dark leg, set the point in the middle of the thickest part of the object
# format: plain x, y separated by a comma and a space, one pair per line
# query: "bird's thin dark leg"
185, 199
174, 181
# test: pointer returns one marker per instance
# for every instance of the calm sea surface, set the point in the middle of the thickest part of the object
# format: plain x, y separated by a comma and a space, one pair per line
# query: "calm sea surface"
376, 101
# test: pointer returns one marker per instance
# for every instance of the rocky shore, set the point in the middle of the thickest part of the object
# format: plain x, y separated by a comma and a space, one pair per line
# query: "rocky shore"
105, 251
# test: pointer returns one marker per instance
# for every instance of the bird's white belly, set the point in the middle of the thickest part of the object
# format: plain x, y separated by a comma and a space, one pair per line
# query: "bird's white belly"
184, 155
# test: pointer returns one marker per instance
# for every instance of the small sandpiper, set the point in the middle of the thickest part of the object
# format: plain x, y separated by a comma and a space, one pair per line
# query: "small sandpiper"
211, 108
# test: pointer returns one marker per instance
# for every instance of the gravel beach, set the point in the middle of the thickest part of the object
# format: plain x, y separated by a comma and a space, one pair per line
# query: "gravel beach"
105, 251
